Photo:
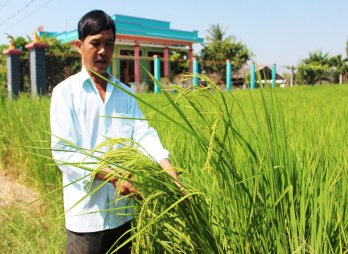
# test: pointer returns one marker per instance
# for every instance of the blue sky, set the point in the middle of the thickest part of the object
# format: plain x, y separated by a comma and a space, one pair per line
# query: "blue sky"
276, 31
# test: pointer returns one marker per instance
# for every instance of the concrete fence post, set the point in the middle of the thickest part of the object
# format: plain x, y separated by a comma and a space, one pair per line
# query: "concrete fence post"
38, 73
274, 75
14, 72
195, 71
228, 75
252, 76
157, 72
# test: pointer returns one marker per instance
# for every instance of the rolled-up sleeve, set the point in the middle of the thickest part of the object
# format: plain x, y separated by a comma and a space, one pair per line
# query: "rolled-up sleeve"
147, 136
65, 134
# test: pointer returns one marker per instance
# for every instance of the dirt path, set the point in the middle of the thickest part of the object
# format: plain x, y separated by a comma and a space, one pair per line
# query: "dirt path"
13, 193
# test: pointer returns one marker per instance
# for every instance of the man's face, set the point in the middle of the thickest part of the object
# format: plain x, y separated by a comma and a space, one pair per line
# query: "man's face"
96, 50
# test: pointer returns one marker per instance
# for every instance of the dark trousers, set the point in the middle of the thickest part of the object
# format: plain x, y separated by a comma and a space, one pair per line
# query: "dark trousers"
98, 242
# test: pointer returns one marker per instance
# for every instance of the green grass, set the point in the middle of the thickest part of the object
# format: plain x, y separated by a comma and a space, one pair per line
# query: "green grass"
283, 188
28, 230
24, 126
267, 171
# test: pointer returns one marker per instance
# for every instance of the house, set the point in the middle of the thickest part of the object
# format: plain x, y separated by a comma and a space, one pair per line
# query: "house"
137, 41
263, 73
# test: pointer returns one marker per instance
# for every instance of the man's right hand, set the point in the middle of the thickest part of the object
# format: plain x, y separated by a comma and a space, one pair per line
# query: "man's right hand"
126, 187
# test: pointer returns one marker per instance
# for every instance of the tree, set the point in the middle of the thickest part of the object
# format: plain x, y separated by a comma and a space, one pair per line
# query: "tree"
178, 62
340, 68
314, 69
62, 60
20, 42
216, 33
218, 49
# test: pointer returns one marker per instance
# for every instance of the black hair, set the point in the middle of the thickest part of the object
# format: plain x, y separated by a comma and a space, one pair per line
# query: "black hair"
94, 22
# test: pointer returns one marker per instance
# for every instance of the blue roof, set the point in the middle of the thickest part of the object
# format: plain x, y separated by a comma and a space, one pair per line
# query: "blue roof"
134, 26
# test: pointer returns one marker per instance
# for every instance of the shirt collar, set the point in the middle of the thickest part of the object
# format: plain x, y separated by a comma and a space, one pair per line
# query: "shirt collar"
85, 80
84, 75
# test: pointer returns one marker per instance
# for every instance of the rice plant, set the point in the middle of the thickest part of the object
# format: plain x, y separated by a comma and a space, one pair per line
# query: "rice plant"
264, 171
247, 188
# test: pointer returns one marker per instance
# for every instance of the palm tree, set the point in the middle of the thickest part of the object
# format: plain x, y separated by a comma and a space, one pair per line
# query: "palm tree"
218, 48
318, 62
340, 65
318, 57
217, 33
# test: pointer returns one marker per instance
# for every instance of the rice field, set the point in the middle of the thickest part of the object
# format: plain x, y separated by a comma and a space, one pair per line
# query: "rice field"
265, 171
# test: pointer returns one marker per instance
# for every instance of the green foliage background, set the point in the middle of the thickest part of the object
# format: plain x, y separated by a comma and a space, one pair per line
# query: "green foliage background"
218, 48
321, 68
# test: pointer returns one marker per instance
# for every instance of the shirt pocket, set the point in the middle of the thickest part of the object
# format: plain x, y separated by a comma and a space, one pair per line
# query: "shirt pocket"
120, 126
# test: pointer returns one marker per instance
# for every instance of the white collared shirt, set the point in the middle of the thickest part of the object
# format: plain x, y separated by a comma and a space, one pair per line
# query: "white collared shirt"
78, 116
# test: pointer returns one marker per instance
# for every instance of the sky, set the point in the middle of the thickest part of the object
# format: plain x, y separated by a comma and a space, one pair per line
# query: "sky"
281, 32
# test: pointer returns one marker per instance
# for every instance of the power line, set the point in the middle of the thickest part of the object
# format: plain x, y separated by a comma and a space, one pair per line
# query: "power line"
16, 13
31, 13
4, 3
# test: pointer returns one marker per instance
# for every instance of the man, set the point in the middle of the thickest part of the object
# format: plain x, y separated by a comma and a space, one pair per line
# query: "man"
78, 107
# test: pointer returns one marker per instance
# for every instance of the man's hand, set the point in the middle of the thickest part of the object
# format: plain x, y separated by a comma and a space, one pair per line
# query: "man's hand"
167, 166
124, 187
